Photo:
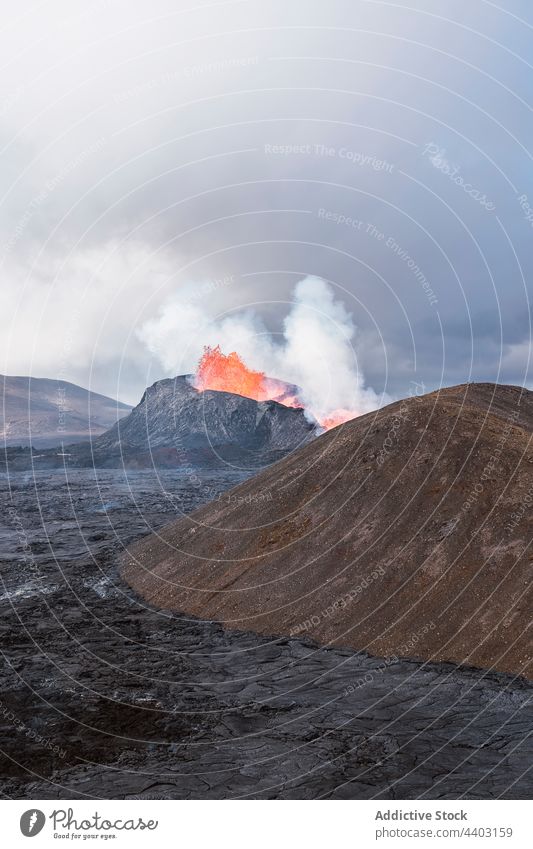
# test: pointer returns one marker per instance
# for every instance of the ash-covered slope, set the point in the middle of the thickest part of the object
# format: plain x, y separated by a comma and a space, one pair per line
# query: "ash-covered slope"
174, 415
404, 532
45, 412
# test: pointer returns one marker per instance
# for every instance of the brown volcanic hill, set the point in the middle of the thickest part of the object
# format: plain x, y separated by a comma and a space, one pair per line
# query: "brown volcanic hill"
404, 532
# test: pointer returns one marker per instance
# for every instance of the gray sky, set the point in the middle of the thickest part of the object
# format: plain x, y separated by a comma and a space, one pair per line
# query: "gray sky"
154, 150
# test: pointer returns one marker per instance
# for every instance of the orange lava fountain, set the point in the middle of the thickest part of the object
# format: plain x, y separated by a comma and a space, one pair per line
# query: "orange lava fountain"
228, 373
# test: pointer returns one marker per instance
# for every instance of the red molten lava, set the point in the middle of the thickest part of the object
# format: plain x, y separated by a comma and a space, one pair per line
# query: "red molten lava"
228, 373
337, 417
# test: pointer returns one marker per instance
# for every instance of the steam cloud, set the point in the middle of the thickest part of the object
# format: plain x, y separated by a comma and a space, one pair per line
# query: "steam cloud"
315, 350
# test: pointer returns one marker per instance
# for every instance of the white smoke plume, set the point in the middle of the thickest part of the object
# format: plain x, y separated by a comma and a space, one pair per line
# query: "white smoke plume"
316, 349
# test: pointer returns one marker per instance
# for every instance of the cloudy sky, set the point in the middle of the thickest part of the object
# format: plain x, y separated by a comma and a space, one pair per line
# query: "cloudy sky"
173, 169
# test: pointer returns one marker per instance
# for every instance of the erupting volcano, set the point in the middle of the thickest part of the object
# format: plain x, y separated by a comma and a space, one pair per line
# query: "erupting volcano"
228, 373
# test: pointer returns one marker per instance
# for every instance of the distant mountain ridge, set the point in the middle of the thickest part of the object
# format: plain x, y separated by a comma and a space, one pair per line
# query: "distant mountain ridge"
175, 425
46, 412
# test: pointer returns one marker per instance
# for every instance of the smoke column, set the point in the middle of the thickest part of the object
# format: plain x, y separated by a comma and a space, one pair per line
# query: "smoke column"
315, 350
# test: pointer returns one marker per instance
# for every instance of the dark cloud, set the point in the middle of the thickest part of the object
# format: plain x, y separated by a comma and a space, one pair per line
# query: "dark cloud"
151, 147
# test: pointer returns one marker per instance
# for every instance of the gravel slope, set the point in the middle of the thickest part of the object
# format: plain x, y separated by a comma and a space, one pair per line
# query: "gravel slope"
404, 532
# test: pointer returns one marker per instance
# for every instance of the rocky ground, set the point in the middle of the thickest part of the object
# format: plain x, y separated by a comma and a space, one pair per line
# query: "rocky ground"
103, 697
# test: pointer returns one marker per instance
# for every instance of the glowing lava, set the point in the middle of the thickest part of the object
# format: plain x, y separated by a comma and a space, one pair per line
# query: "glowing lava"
228, 373
337, 417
